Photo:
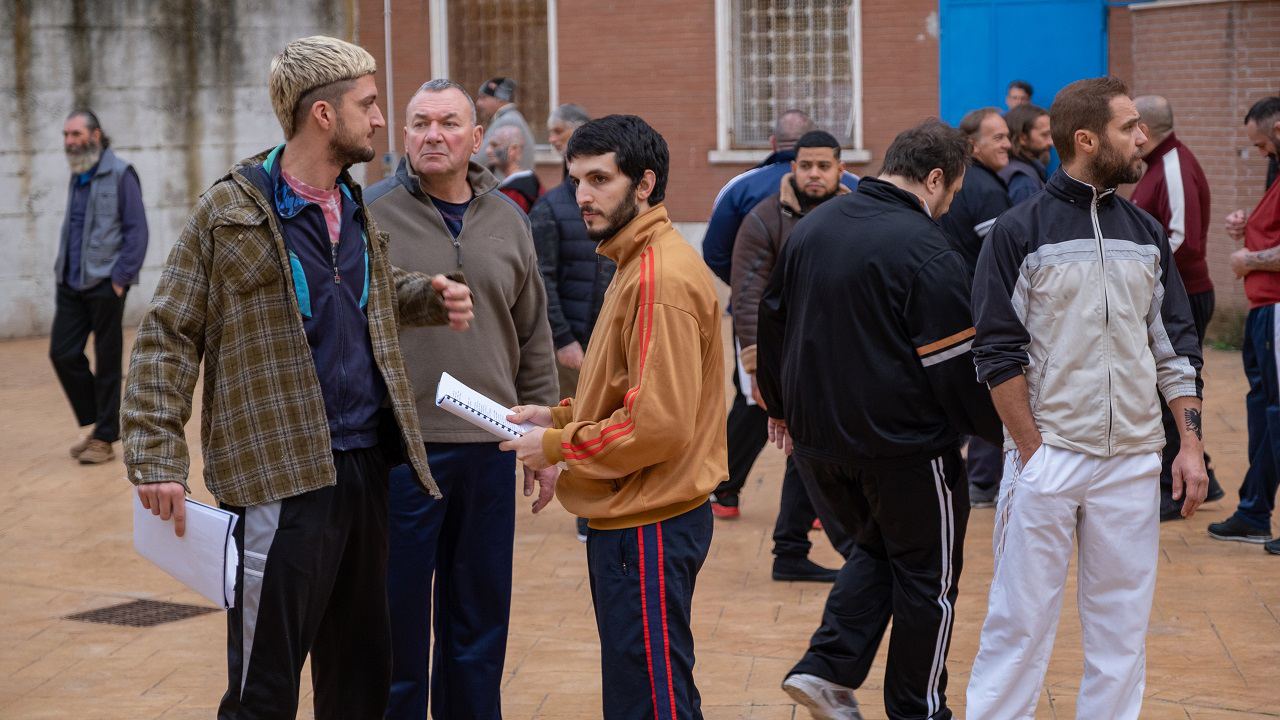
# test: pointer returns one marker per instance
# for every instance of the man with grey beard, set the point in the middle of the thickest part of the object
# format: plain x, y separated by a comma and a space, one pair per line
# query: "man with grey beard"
103, 243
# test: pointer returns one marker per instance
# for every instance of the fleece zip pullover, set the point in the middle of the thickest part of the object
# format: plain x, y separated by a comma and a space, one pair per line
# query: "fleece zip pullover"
507, 353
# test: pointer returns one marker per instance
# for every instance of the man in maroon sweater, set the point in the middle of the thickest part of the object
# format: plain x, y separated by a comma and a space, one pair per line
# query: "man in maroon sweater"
1176, 192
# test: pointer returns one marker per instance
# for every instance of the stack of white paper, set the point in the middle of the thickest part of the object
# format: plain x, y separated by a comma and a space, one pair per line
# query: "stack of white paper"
204, 559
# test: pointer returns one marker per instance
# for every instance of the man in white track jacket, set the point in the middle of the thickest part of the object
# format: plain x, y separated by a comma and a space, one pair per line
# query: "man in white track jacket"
1080, 318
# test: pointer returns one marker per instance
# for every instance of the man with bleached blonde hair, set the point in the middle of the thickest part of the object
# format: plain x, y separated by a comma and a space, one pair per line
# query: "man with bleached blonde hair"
281, 285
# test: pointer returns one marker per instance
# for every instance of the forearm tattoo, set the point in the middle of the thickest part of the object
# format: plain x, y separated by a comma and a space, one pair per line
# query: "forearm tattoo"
1268, 259
1192, 416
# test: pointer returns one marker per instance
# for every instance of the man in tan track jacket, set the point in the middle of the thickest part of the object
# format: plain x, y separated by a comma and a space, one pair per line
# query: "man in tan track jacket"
814, 178
644, 441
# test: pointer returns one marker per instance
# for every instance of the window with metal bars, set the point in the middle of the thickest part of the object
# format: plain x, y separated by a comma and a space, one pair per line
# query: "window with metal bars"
503, 38
793, 54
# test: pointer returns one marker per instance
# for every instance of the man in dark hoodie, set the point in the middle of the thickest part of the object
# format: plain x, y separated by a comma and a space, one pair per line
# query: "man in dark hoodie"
884, 451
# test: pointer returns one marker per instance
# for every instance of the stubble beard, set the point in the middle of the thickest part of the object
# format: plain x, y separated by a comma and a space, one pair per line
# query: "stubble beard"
623, 213
347, 149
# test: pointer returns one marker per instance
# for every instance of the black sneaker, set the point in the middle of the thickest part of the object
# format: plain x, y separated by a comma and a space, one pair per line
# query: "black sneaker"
582, 529
789, 568
1233, 528
724, 506
1272, 547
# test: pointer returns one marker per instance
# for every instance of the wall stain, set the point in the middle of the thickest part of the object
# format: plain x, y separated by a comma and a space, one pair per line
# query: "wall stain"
81, 55
228, 61
23, 107
177, 28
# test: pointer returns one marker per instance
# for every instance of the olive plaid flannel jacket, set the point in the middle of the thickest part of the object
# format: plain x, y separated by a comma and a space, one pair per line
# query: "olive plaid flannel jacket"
226, 297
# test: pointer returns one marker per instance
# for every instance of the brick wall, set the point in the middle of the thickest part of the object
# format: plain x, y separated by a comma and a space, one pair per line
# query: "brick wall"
900, 70
410, 63
1212, 60
1119, 43
658, 60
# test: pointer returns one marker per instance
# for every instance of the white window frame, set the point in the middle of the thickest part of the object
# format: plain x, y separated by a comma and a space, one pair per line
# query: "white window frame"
439, 19
724, 153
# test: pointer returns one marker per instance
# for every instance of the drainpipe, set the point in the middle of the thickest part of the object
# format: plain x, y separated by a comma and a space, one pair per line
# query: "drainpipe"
389, 160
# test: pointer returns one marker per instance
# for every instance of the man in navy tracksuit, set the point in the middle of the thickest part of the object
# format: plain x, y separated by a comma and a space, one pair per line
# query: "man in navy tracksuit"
869, 281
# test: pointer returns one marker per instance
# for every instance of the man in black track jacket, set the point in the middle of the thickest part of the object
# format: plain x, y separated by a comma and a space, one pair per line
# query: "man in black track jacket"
864, 359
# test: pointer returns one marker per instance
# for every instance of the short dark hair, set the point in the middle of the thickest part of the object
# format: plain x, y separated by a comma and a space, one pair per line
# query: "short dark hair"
1022, 85
1082, 105
1022, 119
1264, 113
91, 122
440, 85
637, 147
818, 139
931, 144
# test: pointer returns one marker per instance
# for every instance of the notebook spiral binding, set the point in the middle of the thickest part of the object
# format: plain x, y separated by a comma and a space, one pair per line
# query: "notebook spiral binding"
492, 421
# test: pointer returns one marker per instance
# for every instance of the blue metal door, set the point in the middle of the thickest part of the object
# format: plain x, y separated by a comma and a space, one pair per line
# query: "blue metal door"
986, 44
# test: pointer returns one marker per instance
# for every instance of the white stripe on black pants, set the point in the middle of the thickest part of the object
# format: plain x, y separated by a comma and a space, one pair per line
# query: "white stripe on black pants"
908, 526
313, 580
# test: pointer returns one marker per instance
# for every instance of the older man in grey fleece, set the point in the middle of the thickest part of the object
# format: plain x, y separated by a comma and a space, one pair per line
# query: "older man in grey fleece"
445, 213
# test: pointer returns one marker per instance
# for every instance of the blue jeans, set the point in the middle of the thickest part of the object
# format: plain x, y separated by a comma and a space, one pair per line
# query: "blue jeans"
464, 541
1258, 493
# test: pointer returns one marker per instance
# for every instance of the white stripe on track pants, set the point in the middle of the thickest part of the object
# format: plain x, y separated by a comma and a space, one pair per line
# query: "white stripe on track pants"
1111, 506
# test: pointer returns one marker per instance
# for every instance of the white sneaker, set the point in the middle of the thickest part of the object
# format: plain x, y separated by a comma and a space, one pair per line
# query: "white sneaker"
825, 699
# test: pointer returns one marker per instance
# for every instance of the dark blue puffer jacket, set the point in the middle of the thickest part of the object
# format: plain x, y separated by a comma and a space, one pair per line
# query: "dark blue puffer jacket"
575, 276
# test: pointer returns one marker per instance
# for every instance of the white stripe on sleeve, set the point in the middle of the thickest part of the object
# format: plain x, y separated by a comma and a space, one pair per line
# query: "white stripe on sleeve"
1177, 199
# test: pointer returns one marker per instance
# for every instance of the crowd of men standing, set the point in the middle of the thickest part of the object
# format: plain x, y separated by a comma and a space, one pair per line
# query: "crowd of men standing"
963, 294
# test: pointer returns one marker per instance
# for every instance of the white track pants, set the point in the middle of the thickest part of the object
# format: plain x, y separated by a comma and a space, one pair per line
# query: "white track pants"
1111, 506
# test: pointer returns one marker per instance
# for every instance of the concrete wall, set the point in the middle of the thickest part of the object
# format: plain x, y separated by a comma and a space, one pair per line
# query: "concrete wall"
180, 88
1213, 60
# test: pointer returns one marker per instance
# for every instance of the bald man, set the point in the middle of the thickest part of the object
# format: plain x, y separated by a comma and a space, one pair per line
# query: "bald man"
505, 151
1176, 192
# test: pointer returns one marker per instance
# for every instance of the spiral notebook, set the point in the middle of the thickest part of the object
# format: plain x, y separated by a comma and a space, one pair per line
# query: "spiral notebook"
477, 409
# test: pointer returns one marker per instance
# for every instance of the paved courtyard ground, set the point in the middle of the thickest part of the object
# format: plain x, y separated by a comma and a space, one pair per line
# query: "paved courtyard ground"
66, 547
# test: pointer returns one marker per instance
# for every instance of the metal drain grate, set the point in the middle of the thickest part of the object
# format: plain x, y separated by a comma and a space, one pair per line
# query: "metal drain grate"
141, 613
